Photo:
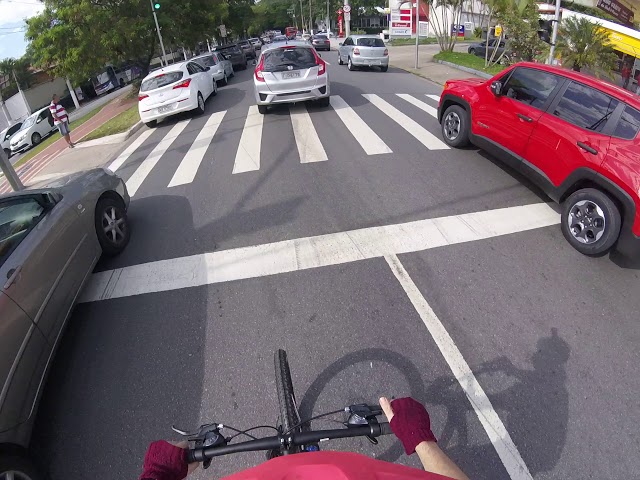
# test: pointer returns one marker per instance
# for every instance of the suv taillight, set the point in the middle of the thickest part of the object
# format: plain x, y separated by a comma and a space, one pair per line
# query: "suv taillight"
184, 84
142, 96
258, 72
386, 52
356, 51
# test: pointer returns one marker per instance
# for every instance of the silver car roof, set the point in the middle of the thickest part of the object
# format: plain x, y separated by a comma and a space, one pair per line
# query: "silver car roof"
290, 43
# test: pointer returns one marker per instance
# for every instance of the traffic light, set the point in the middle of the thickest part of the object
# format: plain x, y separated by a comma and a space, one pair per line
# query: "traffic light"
545, 30
156, 6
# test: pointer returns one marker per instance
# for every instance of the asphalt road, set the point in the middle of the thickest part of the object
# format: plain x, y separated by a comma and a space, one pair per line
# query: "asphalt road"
550, 336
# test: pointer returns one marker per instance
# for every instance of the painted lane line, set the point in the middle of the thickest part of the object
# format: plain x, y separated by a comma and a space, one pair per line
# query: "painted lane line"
248, 154
366, 137
152, 159
498, 434
421, 105
124, 156
435, 98
310, 147
425, 137
314, 252
189, 165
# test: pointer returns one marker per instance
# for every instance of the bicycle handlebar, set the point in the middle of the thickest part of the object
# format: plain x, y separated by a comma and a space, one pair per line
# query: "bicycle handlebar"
291, 439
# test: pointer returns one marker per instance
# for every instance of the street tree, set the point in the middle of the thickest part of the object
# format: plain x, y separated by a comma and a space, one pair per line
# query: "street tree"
520, 26
442, 15
583, 44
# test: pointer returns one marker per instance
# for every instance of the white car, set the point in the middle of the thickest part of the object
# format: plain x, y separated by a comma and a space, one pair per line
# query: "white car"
173, 89
220, 68
5, 137
290, 72
33, 130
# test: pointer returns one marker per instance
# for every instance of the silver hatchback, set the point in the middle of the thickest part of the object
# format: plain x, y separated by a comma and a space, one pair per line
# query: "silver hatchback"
363, 51
290, 72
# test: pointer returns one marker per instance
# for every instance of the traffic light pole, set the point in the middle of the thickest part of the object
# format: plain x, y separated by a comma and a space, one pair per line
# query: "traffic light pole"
554, 35
155, 18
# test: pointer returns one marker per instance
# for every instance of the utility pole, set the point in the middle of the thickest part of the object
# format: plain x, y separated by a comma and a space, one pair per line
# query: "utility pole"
301, 16
347, 18
310, 19
328, 22
554, 35
418, 29
9, 172
155, 18
24, 98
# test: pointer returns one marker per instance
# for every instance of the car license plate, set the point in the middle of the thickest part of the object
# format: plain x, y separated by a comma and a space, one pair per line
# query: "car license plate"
290, 75
166, 108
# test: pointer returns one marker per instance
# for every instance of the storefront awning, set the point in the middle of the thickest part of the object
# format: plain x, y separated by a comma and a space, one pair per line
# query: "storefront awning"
624, 43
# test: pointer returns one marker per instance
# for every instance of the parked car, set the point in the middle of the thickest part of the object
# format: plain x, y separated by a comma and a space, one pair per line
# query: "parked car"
5, 137
220, 68
50, 240
234, 54
279, 38
573, 135
363, 51
321, 42
180, 87
256, 42
33, 130
288, 73
248, 49
480, 49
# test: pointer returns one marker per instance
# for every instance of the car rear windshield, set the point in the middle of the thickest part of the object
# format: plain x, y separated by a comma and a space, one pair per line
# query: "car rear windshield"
370, 42
208, 61
319, 37
288, 58
161, 80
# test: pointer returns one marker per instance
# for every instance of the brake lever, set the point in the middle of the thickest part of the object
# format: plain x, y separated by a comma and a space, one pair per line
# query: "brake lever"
207, 436
363, 414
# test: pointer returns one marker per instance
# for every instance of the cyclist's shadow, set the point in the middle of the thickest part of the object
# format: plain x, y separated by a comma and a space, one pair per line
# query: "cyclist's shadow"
534, 407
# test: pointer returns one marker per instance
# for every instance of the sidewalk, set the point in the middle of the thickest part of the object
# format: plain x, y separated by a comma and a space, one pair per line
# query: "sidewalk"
33, 167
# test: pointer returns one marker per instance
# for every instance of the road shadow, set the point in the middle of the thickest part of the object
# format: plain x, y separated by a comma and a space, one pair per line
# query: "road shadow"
532, 403
126, 370
351, 94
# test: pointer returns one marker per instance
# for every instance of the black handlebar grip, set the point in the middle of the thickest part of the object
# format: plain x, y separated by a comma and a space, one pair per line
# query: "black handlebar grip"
191, 456
385, 429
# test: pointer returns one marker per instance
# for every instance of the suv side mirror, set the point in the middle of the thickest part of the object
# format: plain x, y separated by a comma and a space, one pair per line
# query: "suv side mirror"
496, 88
340, 44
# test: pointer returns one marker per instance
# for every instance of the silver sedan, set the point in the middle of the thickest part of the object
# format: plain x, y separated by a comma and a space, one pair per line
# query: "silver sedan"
50, 240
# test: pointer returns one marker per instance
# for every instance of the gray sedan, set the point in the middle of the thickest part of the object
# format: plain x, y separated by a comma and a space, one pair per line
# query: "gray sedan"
480, 49
50, 240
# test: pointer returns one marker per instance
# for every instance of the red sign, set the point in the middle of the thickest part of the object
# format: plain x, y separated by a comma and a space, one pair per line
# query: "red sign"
618, 10
340, 30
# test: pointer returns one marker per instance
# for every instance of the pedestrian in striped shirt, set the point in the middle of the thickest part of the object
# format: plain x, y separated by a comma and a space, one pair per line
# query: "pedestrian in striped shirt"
61, 119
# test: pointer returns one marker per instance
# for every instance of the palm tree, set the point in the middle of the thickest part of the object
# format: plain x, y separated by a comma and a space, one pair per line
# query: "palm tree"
583, 44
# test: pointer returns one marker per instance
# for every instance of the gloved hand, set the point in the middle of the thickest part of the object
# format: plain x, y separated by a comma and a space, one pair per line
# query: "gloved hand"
409, 421
165, 461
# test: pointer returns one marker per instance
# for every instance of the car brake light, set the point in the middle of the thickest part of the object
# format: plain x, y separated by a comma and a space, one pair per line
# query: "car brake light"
142, 96
386, 52
184, 84
258, 72
356, 51
322, 66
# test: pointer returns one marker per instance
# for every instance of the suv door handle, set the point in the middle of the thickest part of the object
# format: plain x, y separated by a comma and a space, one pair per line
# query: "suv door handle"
586, 147
524, 117
12, 276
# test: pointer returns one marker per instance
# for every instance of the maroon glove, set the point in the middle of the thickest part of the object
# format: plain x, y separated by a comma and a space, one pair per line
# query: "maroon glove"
411, 423
164, 461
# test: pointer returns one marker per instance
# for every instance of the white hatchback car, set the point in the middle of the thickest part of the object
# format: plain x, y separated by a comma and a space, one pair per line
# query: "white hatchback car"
5, 137
173, 89
289, 72
220, 68
33, 130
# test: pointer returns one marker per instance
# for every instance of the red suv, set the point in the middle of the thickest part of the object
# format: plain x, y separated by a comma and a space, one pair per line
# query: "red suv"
573, 135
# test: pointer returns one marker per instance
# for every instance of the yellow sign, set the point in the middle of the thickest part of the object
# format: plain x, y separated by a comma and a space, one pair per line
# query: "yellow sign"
624, 43
498, 30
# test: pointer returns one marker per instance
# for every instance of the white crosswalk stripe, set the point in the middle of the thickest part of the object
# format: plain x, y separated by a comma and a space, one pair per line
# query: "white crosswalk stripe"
188, 168
421, 105
425, 137
248, 155
147, 165
434, 97
124, 156
366, 137
309, 145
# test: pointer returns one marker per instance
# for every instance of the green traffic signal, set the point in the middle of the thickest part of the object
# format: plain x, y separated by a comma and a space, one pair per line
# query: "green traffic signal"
156, 6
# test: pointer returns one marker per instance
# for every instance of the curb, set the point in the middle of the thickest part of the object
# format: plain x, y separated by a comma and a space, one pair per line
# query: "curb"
465, 69
116, 138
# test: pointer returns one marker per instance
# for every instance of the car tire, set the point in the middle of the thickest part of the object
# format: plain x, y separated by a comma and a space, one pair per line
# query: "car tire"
472, 51
590, 221
122, 84
455, 126
225, 80
19, 464
151, 124
201, 106
7, 152
323, 102
244, 66
384, 69
262, 109
340, 62
215, 89
112, 225
36, 138
350, 65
